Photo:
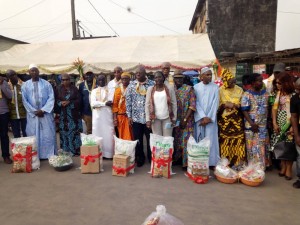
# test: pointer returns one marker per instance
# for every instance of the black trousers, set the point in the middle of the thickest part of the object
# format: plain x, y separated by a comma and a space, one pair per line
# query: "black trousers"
139, 130
17, 125
4, 134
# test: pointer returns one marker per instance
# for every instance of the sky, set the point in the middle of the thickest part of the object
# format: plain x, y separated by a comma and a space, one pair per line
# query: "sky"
50, 20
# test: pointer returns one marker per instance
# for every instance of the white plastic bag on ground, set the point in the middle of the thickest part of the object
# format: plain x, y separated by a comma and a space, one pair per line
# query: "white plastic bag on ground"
198, 157
125, 147
29, 141
89, 139
162, 151
161, 217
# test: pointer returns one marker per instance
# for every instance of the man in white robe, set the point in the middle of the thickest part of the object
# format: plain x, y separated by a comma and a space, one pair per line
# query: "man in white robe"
38, 100
115, 83
103, 125
207, 103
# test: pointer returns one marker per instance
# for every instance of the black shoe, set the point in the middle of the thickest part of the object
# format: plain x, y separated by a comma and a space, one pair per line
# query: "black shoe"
296, 184
281, 174
288, 178
7, 160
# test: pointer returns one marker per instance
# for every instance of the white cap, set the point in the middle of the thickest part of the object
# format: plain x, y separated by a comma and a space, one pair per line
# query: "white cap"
204, 70
32, 66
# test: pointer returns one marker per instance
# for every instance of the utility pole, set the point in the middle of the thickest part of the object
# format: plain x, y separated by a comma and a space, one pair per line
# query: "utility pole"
73, 20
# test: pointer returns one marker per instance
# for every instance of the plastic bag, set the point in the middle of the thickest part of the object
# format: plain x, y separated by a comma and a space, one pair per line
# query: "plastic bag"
126, 147
161, 217
198, 157
89, 139
162, 151
253, 172
61, 159
223, 170
27, 141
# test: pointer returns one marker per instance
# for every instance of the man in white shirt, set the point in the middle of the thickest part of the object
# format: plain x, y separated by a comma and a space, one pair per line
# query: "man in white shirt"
113, 84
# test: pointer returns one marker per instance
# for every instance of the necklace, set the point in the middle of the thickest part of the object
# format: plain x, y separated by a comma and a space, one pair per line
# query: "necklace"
93, 85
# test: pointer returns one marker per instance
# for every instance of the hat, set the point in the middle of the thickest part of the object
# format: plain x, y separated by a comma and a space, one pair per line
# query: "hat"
178, 73
125, 74
204, 70
279, 67
32, 66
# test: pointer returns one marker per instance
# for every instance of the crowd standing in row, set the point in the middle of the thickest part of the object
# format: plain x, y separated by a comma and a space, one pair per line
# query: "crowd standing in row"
235, 120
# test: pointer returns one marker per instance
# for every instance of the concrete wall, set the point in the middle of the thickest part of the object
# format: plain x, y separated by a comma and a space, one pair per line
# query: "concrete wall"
242, 25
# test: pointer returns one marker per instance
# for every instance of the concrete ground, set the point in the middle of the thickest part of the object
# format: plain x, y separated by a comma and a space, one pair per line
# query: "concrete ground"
64, 198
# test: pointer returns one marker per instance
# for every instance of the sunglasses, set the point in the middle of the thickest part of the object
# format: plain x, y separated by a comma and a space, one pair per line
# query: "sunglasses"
65, 79
278, 83
117, 71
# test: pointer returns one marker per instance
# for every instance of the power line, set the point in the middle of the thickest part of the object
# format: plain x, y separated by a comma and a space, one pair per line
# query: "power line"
103, 19
24, 10
54, 33
55, 18
141, 22
144, 17
15, 28
289, 12
97, 27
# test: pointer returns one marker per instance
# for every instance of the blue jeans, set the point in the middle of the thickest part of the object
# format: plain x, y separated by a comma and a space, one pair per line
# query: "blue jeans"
4, 134
17, 125
298, 161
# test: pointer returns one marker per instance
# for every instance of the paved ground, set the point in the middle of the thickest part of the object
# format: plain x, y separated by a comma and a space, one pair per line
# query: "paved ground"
71, 198
64, 198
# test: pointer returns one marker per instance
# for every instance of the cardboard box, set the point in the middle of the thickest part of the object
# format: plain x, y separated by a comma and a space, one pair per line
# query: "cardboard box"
121, 164
160, 170
90, 159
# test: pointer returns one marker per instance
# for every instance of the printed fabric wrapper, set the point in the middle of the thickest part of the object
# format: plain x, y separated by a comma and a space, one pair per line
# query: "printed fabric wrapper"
28, 141
125, 147
161, 217
90, 140
198, 159
161, 143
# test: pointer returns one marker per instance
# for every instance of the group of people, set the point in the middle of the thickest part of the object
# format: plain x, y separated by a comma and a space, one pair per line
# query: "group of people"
236, 121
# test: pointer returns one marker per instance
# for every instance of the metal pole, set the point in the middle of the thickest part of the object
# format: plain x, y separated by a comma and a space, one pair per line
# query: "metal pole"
73, 20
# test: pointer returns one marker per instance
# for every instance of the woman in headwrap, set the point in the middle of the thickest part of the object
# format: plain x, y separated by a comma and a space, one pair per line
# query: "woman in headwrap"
230, 120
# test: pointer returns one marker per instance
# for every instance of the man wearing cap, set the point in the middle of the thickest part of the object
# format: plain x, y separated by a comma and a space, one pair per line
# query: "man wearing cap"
207, 103
166, 66
186, 106
38, 100
5, 96
16, 107
135, 110
85, 90
119, 109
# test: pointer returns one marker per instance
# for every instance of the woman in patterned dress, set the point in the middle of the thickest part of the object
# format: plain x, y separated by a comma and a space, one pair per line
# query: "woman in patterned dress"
281, 118
68, 102
186, 105
230, 120
254, 106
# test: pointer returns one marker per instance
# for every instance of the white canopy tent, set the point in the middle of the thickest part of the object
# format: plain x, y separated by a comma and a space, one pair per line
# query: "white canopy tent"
103, 54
